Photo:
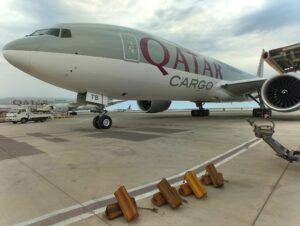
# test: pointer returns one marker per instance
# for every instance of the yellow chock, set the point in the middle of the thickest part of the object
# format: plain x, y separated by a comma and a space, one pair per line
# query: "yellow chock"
216, 178
126, 204
113, 210
185, 190
195, 184
170, 194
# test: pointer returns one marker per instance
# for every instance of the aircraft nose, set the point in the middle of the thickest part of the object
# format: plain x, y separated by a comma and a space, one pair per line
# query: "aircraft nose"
6, 51
15, 56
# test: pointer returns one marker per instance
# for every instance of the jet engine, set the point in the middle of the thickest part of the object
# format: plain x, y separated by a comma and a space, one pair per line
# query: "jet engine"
282, 93
153, 106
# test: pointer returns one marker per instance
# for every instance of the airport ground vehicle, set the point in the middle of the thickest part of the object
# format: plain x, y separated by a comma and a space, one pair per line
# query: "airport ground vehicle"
25, 114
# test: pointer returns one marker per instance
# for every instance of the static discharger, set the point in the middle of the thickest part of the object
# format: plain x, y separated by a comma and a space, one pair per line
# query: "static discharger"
126, 204
216, 178
195, 184
169, 194
114, 210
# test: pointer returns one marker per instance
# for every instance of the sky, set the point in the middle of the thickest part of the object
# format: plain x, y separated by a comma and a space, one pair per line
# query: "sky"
233, 31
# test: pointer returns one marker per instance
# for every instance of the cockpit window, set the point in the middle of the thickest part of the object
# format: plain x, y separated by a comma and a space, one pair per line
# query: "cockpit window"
65, 33
50, 31
53, 31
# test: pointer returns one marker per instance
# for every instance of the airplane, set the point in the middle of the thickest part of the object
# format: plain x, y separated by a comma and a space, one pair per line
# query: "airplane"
41, 103
53, 104
99, 61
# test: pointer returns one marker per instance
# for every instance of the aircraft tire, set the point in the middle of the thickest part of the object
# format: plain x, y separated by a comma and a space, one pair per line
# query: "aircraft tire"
23, 120
206, 112
105, 122
95, 122
200, 113
193, 114
258, 112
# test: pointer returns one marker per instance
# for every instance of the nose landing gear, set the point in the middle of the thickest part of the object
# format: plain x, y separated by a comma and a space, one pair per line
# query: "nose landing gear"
102, 121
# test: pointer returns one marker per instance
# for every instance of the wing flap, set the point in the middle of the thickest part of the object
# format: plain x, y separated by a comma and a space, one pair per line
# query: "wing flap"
285, 59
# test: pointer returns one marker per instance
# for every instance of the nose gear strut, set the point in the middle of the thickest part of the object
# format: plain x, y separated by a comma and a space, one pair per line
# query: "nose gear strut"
266, 132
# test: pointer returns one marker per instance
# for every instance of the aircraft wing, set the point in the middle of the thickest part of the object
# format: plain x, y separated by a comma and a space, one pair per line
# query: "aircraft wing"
113, 102
242, 87
283, 60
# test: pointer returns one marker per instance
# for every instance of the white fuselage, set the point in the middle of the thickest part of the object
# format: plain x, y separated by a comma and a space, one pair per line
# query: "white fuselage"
121, 63
118, 78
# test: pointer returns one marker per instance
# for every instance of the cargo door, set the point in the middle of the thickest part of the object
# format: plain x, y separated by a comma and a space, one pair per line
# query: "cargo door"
130, 47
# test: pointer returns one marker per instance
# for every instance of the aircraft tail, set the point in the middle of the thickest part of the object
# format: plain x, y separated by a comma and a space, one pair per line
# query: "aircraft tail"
260, 69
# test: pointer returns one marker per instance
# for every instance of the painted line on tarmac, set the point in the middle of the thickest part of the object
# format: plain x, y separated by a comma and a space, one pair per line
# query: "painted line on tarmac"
90, 208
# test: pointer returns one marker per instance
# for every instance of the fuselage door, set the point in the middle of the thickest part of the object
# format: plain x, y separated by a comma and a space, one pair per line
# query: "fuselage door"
130, 47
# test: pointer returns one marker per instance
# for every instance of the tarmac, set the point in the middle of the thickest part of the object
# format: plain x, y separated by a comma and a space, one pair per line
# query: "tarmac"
64, 172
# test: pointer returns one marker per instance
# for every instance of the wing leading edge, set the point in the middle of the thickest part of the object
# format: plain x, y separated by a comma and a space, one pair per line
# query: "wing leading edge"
243, 87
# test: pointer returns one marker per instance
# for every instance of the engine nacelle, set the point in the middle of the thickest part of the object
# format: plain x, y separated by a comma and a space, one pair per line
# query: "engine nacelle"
282, 93
153, 106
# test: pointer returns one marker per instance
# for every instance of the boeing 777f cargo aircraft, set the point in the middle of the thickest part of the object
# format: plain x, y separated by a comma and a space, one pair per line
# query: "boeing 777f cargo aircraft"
99, 61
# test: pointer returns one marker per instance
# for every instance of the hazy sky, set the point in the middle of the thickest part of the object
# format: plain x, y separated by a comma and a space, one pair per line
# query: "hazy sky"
233, 31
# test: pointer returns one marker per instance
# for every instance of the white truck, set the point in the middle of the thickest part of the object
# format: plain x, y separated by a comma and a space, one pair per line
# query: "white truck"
25, 114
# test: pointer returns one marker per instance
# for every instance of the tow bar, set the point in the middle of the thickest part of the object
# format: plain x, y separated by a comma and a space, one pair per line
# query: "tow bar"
266, 132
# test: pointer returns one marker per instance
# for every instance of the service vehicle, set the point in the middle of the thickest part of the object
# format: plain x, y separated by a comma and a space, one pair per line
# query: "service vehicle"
25, 114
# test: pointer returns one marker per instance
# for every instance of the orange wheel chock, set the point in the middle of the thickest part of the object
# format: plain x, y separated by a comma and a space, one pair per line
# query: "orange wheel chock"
216, 178
113, 210
126, 204
185, 190
169, 194
205, 179
158, 199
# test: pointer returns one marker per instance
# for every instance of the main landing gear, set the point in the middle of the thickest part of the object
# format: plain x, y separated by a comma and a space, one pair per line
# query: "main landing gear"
262, 111
102, 121
201, 112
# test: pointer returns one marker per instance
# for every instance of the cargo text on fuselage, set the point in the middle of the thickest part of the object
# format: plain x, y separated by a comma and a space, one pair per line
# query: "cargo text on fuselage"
193, 83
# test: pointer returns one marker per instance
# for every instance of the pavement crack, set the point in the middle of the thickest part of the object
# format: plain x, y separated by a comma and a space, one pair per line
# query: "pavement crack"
270, 194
